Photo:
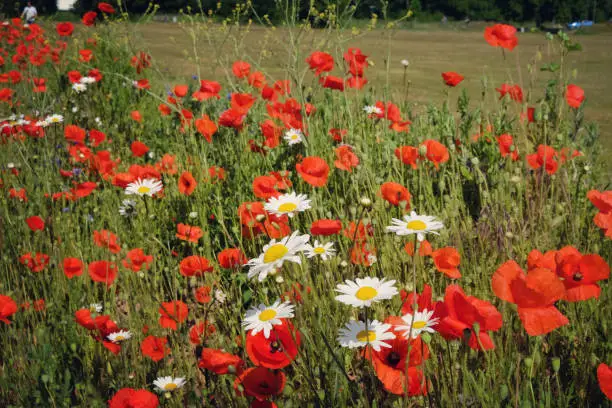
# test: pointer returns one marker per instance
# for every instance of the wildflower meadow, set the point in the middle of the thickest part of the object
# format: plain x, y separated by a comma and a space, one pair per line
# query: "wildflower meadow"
302, 237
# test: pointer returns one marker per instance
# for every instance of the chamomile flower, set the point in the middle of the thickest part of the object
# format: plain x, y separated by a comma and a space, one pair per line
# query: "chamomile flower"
128, 208
95, 307
55, 118
415, 224
87, 80
220, 296
168, 384
421, 322
275, 254
355, 334
364, 292
324, 250
79, 88
287, 204
144, 187
42, 123
263, 317
372, 110
118, 337
294, 136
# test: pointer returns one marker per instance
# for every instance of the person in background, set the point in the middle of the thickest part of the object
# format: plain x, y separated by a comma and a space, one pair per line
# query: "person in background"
29, 13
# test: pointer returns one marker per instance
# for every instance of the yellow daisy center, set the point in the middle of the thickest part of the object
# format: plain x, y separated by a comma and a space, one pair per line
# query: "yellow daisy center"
319, 250
143, 189
416, 225
366, 293
267, 314
419, 324
170, 387
294, 137
119, 338
287, 207
366, 336
274, 253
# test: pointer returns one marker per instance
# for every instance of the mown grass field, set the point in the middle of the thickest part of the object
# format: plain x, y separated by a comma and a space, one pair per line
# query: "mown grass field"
430, 51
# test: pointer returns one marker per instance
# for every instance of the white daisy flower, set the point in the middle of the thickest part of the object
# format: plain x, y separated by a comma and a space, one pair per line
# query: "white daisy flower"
355, 335
22, 122
87, 80
372, 110
294, 136
168, 384
364, 292
55, 118
95, 307
42, 123
143, 187
324, 250
421, 322
405, 62
275, 254
263, 317
220, 296
118, 337
415, 224
287, 204
79, 88
128, 208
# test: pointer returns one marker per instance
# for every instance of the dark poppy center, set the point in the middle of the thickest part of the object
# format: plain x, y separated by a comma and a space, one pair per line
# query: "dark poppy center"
275, 346
393, 358
264, 385
578, 277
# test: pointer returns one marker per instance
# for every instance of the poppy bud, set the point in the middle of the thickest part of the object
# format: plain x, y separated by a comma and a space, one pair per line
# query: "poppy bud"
528, 362
556, 364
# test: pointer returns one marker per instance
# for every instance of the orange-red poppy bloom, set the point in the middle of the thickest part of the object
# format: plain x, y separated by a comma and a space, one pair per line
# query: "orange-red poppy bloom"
187, 184
35, 261
72, 267
194, 265
188, 233
208, 89
131, 398
199, 331
580, 273
332, 82
515, 92
232, 258
604, 377
574, 95
545, 156
261, 383
507, 147
172, 313
276, 351
106, 8
220, 362
447, 260
452, 78
265, 187
425, 248
103, 271
136, 260
408, 155
106, 239
241, 69
395, 194
64, 29
325, 227
89, 18
139, 149
437, 153
534, 295
313, 170
35, 223
346, 159
206, 127
155, 347
501, 35
8, 307
320, 62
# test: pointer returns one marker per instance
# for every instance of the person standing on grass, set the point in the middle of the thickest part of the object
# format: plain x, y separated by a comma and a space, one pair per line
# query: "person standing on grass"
29, 13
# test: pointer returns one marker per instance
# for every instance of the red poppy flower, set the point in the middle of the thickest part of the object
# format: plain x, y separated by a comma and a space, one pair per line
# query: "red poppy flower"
106, 239
515, 92
137, 117
72, 267
231, 258
187, 184
167, 164
155, 347
338, 134
64, 29
35, 223
452, 78
136, 260
220, 362
85, 55
458, 314
358, 232
437, 153
422, 300
131, 398
257, 79
604, 377
501, 35
180, 91
363, 253
199, 331
447, 260
506, 146
232, 118
208, 89
534, 294
574, 95
313, 170
271, 132
188, 233
36, 262
395, 194
139, 149
103, 271
396, 366
332, 82
265, 187
545, 156
206, 127
8, 307
408, 155
194, 265
325, 227
172, 313
425, 248
320, 62
241, 69
106, 8
277, 351
89, 18
73, 133
261, 383
356, 82
40, 85
356, 61
346, 159
580, 273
